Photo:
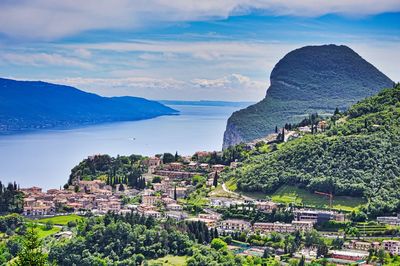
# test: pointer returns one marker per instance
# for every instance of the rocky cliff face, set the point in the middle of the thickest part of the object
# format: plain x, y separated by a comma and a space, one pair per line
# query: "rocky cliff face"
307, 80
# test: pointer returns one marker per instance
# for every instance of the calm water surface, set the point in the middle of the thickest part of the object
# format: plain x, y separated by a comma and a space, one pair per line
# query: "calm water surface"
46, 158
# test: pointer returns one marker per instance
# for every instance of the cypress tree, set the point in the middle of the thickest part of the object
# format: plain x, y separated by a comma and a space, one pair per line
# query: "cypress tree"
215, 180
175, 197
215, 233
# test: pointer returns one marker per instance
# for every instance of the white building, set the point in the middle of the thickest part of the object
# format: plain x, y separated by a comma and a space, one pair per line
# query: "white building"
234, 225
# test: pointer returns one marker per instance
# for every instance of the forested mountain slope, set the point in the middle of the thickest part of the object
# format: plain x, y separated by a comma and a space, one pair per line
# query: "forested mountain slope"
359, 155
307, 80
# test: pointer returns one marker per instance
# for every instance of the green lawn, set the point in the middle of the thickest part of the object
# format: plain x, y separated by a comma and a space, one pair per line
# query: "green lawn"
292, 194
219, 192
42, 232
61, 220
169, 260
231, 184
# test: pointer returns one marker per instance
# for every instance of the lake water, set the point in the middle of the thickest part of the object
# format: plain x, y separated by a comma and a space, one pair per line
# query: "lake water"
46, 158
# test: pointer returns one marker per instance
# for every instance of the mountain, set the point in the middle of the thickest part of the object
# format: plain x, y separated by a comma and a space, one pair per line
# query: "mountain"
32, 105
358, 155
307, 80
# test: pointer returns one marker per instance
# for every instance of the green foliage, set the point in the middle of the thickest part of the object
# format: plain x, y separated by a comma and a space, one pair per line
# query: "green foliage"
156, 179
31, 253
218, 244
168, 158
121, 239
348, 159
11, 199
119, 170
249, 212
11, 222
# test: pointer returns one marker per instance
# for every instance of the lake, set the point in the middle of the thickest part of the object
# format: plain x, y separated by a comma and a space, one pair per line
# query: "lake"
45, 158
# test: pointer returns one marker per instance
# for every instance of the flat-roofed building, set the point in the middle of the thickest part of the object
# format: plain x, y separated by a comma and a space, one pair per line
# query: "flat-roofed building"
174, 207
234, 225
391, 220
149, 199
209, 222
391, 246
351, 255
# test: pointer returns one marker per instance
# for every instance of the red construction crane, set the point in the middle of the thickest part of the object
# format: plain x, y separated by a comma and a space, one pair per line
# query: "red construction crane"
328, 195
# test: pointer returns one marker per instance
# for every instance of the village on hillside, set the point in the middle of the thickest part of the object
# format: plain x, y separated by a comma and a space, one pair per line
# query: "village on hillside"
171, 189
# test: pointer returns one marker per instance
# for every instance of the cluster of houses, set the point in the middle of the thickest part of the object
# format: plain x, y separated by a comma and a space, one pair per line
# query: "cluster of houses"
162, 202
94, 195
391, 246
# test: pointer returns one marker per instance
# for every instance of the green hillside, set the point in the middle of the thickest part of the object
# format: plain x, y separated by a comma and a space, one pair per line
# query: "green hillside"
311, 79
359, 156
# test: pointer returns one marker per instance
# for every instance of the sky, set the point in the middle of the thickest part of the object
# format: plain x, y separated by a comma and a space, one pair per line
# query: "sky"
185, 49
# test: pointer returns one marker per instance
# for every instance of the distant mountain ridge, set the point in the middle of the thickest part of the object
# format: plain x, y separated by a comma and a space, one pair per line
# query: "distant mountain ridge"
307, 80
32, 105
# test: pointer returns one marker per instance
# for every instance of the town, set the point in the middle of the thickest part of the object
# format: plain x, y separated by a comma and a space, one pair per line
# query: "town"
168, 193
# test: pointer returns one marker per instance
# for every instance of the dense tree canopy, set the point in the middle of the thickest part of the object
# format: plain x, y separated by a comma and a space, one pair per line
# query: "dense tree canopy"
359, 155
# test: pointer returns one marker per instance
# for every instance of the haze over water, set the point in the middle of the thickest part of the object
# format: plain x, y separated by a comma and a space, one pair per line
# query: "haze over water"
46, 158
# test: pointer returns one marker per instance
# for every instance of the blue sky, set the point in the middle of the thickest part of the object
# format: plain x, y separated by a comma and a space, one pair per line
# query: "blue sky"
215, 50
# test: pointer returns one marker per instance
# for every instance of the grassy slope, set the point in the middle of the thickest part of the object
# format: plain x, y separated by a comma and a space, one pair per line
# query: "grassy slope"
61, 220
42, 232
169, 260
289, 194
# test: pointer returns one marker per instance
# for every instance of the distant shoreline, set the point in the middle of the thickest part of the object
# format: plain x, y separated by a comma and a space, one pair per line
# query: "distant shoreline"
205, 103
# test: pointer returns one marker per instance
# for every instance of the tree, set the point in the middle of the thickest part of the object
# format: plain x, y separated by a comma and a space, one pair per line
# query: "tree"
156, 179
218, 243
31, 253
266, 253
283, 135
336, 111
168, 158
337, 243
175, 196
215, 180
322, 250
49, 225
381, 255
302, 261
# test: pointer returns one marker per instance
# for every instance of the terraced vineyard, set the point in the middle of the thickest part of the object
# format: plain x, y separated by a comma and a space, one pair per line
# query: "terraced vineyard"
375, 229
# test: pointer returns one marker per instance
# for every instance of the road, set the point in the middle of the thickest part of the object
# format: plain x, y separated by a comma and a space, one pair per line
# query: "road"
235, 193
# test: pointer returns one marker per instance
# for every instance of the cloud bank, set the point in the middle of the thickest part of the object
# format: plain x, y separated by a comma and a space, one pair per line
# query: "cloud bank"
49, 19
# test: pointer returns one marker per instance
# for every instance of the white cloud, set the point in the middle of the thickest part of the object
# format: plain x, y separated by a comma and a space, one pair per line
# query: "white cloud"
231, 82
43, 59
235, 87
83, 53
49, 19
